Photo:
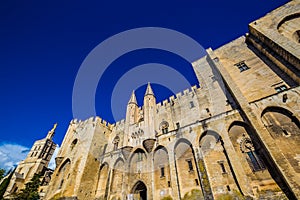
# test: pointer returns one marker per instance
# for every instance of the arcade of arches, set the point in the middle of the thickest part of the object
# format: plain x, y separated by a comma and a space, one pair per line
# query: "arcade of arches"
213, 164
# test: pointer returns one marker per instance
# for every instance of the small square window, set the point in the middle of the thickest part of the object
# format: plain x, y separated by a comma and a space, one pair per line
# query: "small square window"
165, 130
242, 66
280, 88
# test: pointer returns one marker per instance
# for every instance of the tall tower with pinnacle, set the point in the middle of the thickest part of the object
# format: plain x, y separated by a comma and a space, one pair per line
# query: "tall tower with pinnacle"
132, 110
36, 162
149, 111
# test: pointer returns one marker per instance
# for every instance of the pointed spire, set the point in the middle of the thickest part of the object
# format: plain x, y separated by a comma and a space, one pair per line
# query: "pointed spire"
51, 132
149, 90
132, 98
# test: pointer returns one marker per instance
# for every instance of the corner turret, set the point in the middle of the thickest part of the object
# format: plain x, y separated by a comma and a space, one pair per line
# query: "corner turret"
149, 90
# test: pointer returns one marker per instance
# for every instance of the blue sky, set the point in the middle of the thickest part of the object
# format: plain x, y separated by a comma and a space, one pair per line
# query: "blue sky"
43, 44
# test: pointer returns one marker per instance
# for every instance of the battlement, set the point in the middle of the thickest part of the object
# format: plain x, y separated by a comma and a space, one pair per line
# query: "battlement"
119, 123
179, 97
91, 120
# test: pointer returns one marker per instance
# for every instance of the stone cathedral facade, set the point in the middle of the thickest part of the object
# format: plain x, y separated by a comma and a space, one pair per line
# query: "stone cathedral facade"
236, 134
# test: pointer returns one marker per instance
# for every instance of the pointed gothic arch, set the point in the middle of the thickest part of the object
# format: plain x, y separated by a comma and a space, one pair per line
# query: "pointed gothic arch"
211, 133
103, 181
63, 173
138, 161
284, 128
137, 151
63, 164
246, 146
139, 190
162, 176
117, 177
245, 139
283, 111
213, 152
186, 167
187, 143
208, 139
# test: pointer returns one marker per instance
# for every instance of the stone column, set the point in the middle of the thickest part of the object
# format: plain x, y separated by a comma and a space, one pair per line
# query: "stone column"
174, 176
242, 179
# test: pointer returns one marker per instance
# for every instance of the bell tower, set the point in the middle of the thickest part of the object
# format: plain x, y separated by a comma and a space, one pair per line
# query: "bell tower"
36, 162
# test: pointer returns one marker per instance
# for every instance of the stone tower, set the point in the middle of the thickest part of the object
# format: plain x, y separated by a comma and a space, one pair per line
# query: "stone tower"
132, 111
36, 162
149, 112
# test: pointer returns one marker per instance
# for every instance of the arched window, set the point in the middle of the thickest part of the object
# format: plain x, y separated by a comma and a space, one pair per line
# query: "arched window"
63, 171
73, 144
164, 127
239, 133
116, 142
252, 157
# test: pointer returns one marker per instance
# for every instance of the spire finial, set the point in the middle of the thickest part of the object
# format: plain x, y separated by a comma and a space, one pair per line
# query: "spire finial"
51, 132
149, 90
132, 98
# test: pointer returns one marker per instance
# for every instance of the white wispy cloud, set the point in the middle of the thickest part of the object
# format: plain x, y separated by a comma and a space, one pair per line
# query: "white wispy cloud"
11, 155
52, 164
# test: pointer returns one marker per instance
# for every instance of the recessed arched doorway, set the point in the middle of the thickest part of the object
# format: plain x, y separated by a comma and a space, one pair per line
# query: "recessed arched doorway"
139, 191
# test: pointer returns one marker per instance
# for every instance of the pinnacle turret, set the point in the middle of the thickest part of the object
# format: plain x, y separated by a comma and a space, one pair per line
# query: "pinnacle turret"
132, 98
149, 90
